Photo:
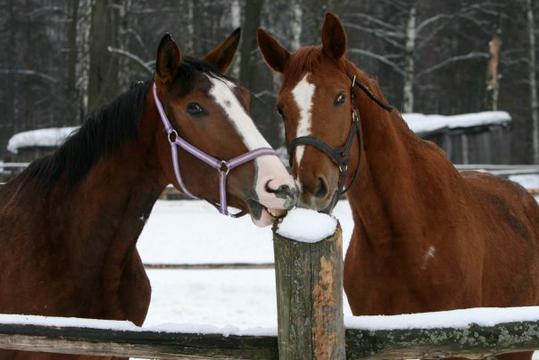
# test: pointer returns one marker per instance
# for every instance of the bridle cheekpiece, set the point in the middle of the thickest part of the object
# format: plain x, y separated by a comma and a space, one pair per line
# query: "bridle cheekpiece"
223, 167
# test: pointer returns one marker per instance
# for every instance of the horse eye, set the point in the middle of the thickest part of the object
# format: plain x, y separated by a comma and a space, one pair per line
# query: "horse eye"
340, 99
195, 109
280, 111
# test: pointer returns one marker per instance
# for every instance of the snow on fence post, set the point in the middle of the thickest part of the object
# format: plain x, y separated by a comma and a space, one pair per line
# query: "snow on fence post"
308, 271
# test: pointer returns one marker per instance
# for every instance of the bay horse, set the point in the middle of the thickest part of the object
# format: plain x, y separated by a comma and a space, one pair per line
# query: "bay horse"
426, 237
69, 223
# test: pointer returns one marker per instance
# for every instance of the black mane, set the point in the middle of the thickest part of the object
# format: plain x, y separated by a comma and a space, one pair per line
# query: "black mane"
104, 132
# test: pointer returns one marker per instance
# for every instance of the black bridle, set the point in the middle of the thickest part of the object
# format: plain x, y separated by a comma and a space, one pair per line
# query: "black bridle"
341, 155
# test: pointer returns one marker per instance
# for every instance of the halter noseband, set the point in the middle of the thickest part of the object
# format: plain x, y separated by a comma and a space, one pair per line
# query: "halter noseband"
222, 166
341, 155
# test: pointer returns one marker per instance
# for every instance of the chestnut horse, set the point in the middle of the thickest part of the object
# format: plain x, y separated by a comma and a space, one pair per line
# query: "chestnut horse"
70, 222
426, 237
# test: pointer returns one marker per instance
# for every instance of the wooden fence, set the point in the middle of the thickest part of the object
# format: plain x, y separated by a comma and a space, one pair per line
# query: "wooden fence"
473, 341
310, 318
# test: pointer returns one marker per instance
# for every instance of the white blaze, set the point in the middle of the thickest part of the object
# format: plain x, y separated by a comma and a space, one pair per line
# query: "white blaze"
222, 92
270, 169
303, 95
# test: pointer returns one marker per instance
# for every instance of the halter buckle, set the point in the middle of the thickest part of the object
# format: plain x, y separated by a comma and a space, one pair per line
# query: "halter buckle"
224, 167
343, 168
172, 136
355, 118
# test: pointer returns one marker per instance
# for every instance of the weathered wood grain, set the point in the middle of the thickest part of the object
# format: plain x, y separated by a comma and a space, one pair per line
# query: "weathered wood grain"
163, 345
309, 298
475, 342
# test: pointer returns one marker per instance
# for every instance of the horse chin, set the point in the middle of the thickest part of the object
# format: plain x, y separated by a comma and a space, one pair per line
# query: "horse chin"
325, 206
263, 216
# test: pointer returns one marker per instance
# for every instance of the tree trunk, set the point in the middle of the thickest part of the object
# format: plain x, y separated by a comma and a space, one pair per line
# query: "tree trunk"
251, 22
534, 102
409, 67
84, 27
491, 100
103, 79
235, 21
297, 24
11, 79
121, 41
72, 57
28, 115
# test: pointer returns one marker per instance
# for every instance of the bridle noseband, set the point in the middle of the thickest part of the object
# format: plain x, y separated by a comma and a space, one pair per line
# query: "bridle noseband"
341, 155
222, 166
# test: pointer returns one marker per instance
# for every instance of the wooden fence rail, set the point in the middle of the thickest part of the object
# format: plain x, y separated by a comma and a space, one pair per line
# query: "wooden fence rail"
473, 341
133, 343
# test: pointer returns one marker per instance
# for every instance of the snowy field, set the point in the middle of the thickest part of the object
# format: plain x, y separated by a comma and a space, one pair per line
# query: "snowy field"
228, 301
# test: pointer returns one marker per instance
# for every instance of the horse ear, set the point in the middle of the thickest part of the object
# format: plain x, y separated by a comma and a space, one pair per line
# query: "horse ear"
275, 55
333, 37
168, 59
222, 55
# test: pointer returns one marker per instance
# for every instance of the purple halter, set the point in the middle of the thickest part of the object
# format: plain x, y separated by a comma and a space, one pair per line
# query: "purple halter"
222, 166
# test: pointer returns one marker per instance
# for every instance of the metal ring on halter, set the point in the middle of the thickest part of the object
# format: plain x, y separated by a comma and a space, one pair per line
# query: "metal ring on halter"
172, 136
224, 167
355, 118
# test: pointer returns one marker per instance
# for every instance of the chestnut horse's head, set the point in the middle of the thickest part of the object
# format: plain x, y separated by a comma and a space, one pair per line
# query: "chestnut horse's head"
315, 101
211, 112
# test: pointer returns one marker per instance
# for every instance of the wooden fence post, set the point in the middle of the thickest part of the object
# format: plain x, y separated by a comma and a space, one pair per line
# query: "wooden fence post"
309, 289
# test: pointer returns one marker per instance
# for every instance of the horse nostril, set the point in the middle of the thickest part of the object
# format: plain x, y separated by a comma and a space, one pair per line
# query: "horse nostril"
283, 191
322, 189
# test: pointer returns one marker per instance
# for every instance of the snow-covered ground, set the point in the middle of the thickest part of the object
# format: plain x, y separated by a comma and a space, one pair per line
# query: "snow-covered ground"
193, 232
232, 301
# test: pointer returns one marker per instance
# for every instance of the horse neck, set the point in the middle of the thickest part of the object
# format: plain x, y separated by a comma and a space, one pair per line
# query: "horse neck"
401, 177
109, 207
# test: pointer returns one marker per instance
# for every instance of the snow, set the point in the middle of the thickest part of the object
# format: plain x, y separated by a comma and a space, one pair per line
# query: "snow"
462, 318
307, 225
50, 137
67, 322
192, 232
236, 302
243, 302
421, 123
529, 181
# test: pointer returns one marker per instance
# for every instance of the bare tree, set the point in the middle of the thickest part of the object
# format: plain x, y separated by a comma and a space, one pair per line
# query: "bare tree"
493, 76
84, 25
251, 21
532, 69
405, 35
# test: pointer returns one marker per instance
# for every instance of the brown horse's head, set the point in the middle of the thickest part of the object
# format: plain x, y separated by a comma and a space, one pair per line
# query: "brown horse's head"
314, 100
211, 112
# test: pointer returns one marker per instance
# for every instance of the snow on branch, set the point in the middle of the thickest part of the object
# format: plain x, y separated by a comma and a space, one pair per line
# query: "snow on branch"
378, 32
454, 59
133, 57
380, 58
432, 20
29, 73
374, 20
382, 34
